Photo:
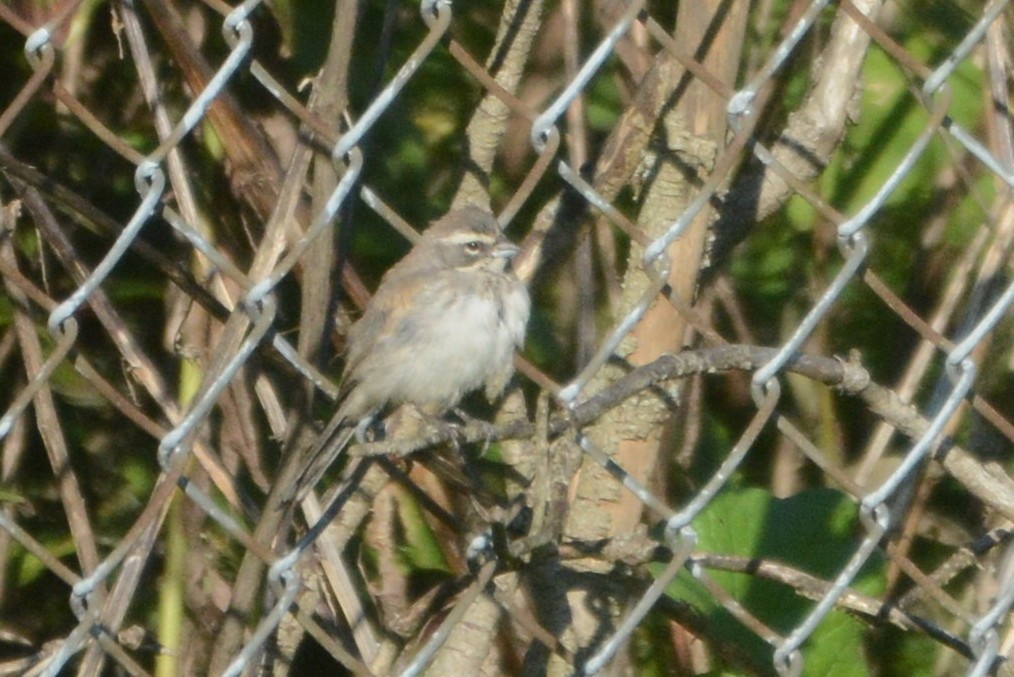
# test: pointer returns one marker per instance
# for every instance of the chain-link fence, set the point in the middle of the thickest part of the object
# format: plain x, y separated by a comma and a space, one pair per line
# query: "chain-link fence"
691, 183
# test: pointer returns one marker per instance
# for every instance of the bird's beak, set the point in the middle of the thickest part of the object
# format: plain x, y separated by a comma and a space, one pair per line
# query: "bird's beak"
505, 250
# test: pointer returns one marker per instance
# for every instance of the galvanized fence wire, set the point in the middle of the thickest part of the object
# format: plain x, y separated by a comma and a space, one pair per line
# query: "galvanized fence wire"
97, 595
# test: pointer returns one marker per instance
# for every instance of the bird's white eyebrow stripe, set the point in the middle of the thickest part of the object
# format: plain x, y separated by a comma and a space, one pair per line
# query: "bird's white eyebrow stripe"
462, 238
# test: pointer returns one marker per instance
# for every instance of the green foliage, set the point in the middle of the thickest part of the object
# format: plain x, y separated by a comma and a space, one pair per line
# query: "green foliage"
897, 653
651, 648
604, 102
813, 531
421, 549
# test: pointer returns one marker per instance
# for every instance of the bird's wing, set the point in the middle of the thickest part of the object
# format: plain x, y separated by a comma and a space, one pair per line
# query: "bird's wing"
390, 325
382, 325
362, 335
386, 333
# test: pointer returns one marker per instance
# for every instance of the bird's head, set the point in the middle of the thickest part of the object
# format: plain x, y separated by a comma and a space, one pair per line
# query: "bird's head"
468, 239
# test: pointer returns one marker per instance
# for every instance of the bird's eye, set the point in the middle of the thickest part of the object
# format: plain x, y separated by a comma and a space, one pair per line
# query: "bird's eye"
473, 247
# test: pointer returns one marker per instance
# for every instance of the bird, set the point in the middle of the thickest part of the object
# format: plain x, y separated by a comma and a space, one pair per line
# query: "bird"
444, 321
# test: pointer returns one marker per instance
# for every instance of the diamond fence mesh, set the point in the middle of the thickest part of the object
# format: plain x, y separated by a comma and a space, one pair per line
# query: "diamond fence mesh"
196, 199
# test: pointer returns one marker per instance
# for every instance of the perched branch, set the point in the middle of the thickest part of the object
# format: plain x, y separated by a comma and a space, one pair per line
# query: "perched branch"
643, 550
986, 481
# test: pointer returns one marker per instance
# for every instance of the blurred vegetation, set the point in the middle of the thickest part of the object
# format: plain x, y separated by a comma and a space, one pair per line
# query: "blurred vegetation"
415, 163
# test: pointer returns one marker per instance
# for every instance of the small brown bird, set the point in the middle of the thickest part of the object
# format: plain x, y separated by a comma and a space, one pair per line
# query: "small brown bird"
445, 321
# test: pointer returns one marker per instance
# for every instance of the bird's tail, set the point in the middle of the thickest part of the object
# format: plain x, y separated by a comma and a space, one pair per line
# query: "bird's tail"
323, 453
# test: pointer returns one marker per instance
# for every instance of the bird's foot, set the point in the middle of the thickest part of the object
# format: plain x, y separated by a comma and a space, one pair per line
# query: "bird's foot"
450, 431
369, 429
486, 429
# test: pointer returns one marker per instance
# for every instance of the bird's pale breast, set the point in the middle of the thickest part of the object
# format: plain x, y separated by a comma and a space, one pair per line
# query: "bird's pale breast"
450, 344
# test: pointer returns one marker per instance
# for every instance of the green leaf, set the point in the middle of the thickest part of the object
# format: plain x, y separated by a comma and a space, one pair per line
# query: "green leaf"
421, 549
813, 531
